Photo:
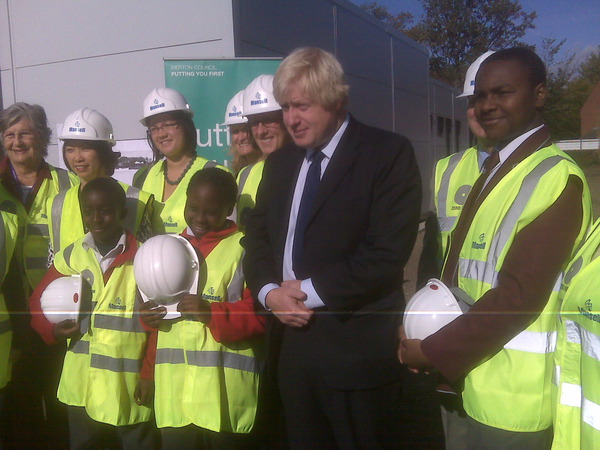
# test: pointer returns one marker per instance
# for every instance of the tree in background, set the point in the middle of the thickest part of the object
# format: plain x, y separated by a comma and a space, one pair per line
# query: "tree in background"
569, 88
458, 31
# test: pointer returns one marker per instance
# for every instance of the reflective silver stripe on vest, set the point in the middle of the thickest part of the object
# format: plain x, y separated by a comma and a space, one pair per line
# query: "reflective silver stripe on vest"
117, 323
81, 347
221, 359
67, 255
236, 287
532, 342
447, 223
556, 376
115, 364
169, 356
244, 174
570, 395
5, 326
132, 203
64, 182
443, 219
485, 271
57, 207
210, 164
572, 332
37, 229
590, 413
36, 263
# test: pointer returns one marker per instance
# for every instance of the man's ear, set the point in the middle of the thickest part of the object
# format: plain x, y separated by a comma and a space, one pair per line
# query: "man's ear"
541, 95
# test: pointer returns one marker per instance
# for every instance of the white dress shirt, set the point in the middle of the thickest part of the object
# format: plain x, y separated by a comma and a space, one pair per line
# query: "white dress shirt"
313, 300
106, 260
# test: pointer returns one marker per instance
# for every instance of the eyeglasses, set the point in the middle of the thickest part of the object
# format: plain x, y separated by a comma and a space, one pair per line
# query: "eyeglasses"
20, 135
167, 126
267, 122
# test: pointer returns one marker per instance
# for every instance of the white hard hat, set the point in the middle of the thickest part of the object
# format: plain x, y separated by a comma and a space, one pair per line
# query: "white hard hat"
166, 267
430, 309
258, 96
233, 113
89, 125
469, 86
162, 100
61, 300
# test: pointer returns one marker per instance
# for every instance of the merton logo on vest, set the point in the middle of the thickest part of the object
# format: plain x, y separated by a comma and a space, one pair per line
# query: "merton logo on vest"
479, 245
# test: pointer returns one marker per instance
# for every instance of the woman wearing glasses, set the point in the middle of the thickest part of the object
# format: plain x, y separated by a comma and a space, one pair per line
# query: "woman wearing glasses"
171, 134
33, 414
87, 149
265, 120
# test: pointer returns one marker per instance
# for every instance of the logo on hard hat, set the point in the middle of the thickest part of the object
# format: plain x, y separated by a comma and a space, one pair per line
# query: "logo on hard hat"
76, 128
258, 100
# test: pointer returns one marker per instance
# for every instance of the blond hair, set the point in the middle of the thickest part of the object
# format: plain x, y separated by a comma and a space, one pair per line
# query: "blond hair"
317, 72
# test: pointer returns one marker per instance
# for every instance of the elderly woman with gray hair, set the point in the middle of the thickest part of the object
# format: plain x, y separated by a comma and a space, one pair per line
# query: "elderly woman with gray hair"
25, 135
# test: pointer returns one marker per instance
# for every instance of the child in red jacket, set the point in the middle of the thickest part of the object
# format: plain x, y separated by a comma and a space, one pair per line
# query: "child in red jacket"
208, 361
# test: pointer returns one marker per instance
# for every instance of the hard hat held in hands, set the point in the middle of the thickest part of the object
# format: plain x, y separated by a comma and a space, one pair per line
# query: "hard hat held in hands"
430, 309
166, 268
61, 300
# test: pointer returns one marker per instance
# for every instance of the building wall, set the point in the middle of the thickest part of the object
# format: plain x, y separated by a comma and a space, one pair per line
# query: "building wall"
108, 54
387, 72
104, 54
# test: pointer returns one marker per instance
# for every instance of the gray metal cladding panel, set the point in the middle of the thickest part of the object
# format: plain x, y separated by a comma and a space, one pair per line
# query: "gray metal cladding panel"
364, 48
411, 68
371, 102
276, 27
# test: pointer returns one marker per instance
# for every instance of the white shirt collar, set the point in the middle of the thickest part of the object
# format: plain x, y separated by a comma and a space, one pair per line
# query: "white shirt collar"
333, 143
106, 260
510, 148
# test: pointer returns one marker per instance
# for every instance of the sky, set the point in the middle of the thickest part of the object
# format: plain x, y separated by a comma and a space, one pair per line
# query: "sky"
576, 20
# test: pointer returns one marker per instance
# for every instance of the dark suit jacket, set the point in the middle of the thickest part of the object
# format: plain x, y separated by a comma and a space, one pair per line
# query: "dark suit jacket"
360, 235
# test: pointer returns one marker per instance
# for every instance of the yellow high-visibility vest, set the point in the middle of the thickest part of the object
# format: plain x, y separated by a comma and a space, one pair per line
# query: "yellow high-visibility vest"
37, 234
511, 390
248, 181
12, 216
199, 380
454, 177
577, 357
102, 368
169, 214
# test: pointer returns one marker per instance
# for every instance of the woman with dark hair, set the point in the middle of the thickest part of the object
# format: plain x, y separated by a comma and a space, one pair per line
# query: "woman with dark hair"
172, 136
25, 136
88, 152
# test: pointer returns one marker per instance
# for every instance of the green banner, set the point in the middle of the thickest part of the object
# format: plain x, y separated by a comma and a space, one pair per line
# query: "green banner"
208, 85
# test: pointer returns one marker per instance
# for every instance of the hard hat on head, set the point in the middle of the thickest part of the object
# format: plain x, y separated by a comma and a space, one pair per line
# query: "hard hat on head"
162, 100
166, 267
430, 309
233, 113
469, 86
258, 96
61, 300
89, 125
